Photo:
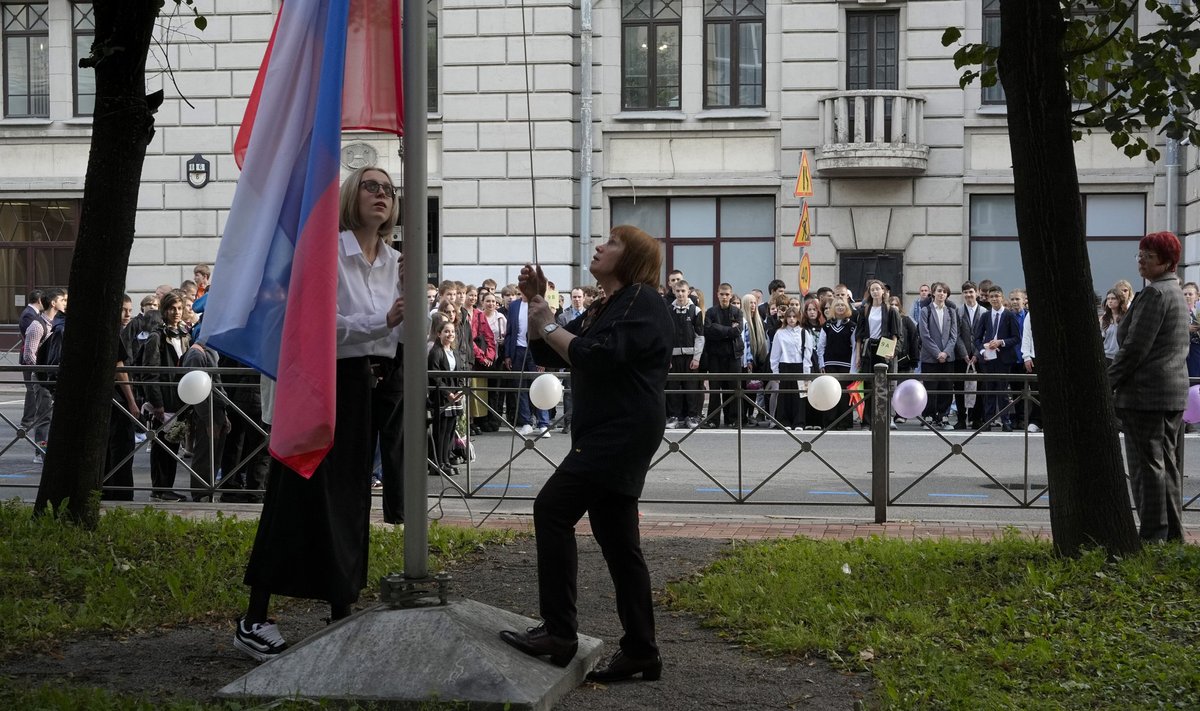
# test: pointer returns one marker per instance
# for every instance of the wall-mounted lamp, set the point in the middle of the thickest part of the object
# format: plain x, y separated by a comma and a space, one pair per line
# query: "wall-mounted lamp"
197, 171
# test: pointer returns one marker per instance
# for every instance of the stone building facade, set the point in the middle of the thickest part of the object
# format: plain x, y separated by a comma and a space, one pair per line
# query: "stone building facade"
701, 110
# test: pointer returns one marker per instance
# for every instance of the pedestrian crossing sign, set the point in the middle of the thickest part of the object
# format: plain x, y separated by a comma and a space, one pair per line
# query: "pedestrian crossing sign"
803, 231
804, 179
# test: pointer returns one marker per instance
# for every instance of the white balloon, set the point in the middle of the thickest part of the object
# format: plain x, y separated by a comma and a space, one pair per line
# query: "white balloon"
546, 391
194, 387
824, 392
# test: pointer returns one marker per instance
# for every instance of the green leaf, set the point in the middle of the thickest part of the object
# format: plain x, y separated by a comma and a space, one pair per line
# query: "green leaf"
201, 22
950, 36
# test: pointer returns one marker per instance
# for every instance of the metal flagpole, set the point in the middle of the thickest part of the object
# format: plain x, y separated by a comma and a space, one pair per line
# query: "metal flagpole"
416, 264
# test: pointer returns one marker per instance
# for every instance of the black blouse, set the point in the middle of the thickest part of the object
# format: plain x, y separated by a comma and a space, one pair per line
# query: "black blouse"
619, 363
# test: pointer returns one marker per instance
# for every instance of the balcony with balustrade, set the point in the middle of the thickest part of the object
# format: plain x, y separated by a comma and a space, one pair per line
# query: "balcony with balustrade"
872, 133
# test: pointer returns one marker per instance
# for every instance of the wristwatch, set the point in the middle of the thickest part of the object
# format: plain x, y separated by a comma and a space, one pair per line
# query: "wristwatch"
548, 329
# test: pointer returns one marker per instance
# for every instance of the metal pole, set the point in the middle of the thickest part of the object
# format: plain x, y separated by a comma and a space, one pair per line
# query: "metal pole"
881, 426
583, 275
416, 265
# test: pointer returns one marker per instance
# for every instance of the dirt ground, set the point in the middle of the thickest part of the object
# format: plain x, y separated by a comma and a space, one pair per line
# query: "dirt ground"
701, 670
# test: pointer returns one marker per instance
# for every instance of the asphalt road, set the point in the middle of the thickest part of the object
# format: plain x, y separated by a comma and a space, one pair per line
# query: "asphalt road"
952, 475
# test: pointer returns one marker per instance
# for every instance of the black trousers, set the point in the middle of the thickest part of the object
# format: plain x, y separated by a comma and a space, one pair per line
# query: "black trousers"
717, 366
790, 408
387, 429
120, 446
686, 403
938, 405
244, 438
614, 519
996, 398
843, 404
162, 465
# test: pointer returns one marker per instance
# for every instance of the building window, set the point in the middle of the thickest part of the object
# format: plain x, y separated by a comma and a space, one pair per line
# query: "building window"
83, 26
734, 53
431, 16
1113, 225
26, 34
993, 94
872, 62
710, 239
37, 240
650, 31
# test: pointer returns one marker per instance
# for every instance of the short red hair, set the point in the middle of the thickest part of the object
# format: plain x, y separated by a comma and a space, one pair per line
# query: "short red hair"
1165, 245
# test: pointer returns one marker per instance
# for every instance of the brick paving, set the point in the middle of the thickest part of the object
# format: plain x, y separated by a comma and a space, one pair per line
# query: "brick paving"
748, 527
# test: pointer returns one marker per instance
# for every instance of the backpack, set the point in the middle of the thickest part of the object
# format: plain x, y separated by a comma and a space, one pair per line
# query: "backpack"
49, 352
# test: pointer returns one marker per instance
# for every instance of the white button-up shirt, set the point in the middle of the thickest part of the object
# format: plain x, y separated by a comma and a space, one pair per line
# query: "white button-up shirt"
365, 292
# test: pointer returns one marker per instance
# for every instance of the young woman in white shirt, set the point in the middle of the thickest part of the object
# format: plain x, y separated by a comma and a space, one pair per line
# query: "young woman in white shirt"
791, 352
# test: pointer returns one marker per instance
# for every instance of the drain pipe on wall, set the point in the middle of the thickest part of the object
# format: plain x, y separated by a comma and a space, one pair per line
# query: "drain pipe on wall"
583, 276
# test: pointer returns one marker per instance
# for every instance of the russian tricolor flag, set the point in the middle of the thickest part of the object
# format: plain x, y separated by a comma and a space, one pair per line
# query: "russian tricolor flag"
331, 64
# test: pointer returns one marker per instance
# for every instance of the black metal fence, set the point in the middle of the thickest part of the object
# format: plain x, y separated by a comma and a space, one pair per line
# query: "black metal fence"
766, 463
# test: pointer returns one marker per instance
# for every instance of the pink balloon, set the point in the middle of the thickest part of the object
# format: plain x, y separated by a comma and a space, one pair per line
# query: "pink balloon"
909, 399
1191, 414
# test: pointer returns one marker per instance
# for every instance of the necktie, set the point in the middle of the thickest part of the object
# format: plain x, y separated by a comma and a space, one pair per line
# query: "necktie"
995, 324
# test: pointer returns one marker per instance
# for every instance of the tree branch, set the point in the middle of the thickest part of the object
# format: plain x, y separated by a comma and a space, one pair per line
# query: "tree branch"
1088, 49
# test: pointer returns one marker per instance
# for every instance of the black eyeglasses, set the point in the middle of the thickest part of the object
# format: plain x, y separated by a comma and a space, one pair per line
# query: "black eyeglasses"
374, 187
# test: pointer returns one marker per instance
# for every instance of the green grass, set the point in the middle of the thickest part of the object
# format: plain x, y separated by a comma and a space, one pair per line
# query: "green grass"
141, 569
951, 624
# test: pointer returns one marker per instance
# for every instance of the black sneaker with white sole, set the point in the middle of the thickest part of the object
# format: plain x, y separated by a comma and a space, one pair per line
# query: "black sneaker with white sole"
260, 641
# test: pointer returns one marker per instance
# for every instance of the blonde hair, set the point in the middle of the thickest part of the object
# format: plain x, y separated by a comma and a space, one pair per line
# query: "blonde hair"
348, 217
754, 328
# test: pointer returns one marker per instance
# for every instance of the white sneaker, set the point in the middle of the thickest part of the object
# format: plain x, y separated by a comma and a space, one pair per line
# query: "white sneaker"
543, 432
693, 422
1033, 428
525, 430
672, 423
38, 459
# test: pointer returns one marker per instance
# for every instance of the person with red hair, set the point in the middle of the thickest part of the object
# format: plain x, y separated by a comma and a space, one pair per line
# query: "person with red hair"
1149, 378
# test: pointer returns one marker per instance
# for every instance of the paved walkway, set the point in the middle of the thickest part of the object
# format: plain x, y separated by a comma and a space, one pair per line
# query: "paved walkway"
749, 527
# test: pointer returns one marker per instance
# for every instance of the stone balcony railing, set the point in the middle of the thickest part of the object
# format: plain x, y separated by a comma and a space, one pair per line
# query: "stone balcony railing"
872, 132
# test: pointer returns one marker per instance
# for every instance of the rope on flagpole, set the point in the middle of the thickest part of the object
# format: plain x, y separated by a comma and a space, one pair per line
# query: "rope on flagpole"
522, 381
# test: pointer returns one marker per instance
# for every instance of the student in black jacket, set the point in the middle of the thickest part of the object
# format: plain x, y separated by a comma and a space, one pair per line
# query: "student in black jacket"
618, 355
723, 348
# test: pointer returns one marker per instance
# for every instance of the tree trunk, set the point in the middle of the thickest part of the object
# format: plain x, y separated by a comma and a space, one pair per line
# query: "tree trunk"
122, 126
1089, 497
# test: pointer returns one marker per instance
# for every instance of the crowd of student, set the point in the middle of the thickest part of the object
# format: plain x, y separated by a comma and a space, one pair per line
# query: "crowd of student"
979, 330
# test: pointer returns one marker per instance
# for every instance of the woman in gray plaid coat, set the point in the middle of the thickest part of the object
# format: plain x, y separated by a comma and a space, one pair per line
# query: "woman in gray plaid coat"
1149, 378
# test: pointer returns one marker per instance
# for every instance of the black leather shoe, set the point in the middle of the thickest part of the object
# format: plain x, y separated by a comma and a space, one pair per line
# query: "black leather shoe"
537, 642
621, 667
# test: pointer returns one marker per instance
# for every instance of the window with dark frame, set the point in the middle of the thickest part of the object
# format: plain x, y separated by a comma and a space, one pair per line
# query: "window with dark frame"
25, 29
650, 54
712, 239
83, 28
431, 16
873, 61
735, 53
1113, 225
994, 94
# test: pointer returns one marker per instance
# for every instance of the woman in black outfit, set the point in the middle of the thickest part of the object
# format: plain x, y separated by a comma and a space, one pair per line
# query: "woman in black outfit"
875, 321
618, 353
446, 398
164, 348
313, 532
